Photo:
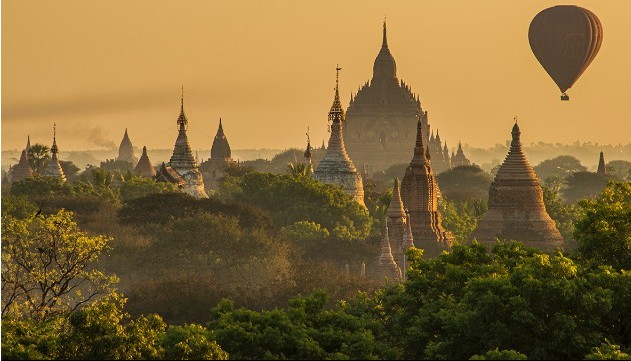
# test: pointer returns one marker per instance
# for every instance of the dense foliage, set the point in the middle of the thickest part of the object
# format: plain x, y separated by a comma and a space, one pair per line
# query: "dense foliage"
208, 279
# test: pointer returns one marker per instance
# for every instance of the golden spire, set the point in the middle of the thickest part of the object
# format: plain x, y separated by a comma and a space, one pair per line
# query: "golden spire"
54, 148
181, 120
336, 112
384, 43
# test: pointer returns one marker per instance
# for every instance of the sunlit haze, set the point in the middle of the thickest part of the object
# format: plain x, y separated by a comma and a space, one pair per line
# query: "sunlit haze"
267, 68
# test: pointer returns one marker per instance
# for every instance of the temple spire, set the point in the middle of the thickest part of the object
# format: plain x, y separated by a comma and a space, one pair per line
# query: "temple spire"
601, 165
181, 120
419, 148
54, 150
386, 265
396, 204
384, 43
336, 167
307, 154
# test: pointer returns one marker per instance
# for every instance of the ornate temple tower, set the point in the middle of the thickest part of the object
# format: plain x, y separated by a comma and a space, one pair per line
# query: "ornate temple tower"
420, 196
53, 168
601, 165
126, 150
22, 170
307, 155
382, 115
182, 163
220, 158
459, 158
336, 167
396, 220
516, 208
386, 267
144, 168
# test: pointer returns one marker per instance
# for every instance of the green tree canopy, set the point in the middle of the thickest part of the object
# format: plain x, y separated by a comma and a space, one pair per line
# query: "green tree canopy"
582, 185
562, 166
46, 263
291, 199
38, 157
464, 183
604, 232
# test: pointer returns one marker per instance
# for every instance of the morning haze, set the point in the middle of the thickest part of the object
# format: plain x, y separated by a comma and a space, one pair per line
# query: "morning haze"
267, 68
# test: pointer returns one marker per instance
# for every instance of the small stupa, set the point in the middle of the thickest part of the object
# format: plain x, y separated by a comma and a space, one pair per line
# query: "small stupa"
516, 208
144, 168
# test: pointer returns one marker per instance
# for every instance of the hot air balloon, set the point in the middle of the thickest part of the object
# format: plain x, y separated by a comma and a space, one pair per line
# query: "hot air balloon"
565, 39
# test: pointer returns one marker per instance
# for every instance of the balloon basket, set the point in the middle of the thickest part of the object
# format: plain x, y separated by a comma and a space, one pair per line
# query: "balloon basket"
565, 97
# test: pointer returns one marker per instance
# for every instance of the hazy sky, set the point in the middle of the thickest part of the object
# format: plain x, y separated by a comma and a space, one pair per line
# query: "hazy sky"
268, 69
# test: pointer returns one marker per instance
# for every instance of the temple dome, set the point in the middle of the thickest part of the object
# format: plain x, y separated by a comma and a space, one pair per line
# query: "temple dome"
220, 148
385, 67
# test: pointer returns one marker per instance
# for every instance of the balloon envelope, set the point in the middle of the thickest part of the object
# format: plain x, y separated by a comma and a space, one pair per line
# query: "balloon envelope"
565, 39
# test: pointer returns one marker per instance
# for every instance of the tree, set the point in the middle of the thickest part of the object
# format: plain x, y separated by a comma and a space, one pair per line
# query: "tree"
38, 187
308, 236
191, 342
461, 217
102, 331
46, 266
603, 234
564, 214
470, 301
500, 355
619, 169
112, 165
299, 169
582, 185
292, 199
607, 351
38, 157
69, 168
138, 187
305, 330
464, 183
562, 166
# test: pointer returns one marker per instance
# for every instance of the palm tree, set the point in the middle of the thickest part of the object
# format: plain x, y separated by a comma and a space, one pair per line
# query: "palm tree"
299, 169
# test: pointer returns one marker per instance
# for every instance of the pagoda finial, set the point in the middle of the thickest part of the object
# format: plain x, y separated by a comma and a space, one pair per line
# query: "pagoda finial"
181, 120
336, 112
515, 118
54, 148
419, 148
384, 44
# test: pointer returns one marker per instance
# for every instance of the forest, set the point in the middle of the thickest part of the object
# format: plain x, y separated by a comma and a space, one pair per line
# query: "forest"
113, 266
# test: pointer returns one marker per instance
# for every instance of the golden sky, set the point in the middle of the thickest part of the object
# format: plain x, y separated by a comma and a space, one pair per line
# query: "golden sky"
268, 69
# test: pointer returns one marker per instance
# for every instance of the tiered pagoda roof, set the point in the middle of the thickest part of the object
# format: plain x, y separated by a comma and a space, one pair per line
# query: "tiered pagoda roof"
516, 208
336, 167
